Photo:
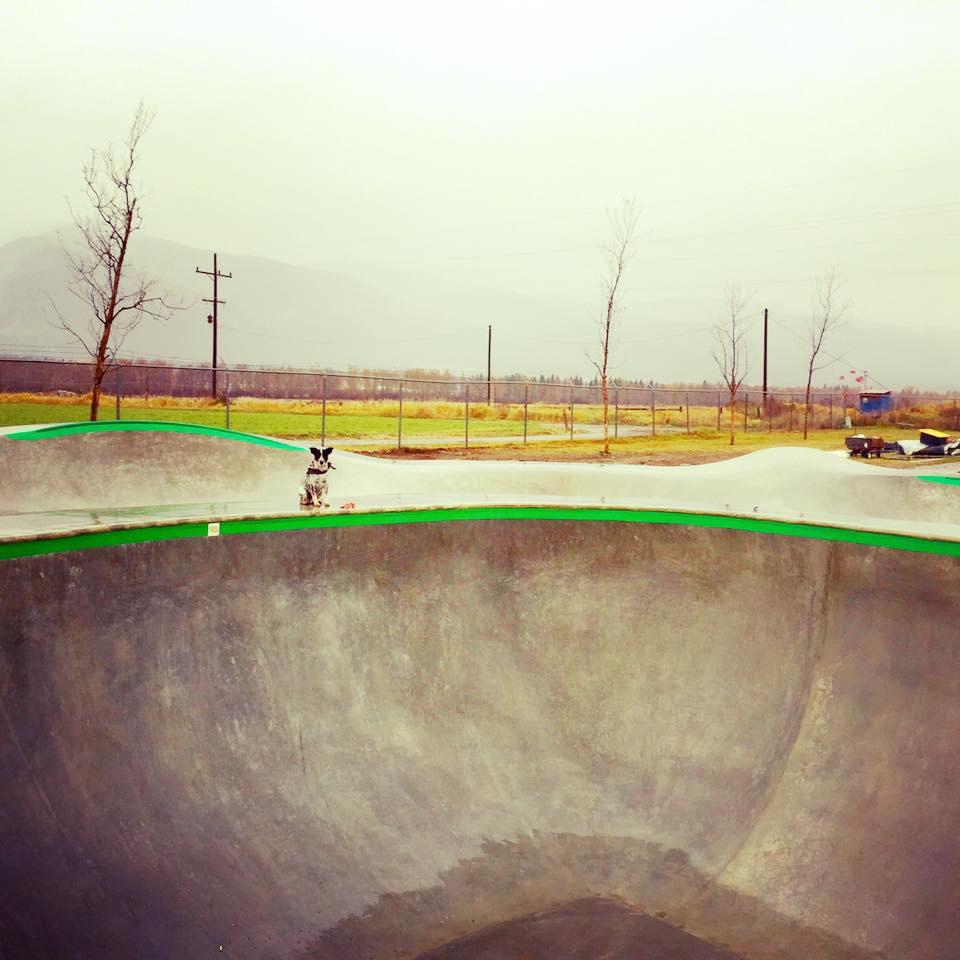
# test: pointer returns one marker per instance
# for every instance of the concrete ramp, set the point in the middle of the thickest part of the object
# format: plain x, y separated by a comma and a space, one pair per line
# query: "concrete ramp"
369, 741
130, 464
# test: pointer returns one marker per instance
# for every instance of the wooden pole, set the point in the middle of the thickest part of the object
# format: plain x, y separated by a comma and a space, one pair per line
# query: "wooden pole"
489, 350
400, 419
526, 398
323, 414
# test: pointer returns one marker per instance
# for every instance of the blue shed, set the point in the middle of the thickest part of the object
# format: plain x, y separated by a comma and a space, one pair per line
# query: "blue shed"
876, 402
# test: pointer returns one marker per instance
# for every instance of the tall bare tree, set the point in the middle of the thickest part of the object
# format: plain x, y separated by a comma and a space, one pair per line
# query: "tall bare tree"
623, 225
826, 315
99, 263
730, 352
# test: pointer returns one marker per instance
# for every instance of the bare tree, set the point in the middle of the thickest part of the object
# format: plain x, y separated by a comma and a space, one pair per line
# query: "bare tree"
730, 352
623, 224
826, 315
99, 267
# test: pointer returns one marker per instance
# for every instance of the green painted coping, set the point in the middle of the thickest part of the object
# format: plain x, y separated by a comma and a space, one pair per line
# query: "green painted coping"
949, 481
109, 538
145, 426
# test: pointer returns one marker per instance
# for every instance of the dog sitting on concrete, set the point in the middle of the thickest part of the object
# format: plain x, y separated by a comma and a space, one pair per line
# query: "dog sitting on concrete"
313, 490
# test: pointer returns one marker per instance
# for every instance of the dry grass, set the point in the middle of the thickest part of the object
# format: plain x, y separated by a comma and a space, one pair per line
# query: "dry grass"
414, 409
351, 418
667, 450
782, 416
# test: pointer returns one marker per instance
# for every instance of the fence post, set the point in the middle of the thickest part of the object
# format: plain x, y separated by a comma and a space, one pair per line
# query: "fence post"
571, 413
116, 378
746, 401
466, 417
400, 419
719, 408
526, 398
616, 413
226, 376
653, 412
687, 403
323, 414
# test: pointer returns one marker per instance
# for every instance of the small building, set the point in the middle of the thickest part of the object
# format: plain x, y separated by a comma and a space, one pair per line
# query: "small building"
875, 401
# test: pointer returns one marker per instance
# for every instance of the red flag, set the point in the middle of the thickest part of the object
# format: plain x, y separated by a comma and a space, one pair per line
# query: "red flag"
859, 379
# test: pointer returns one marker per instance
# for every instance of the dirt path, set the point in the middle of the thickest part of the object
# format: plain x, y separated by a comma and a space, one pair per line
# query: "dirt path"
559, 452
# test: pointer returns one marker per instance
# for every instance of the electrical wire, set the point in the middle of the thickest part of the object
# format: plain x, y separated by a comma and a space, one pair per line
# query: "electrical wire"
377, 341
834, 358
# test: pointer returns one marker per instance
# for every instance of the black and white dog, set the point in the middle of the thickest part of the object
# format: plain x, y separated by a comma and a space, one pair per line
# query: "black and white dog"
313, 490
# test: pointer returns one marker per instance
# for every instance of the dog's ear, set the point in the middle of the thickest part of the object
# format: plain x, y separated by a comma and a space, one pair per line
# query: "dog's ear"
326, 452
317, 454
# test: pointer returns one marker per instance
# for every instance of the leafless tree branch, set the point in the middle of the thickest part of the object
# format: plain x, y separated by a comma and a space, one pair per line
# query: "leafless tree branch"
826, 316
623, 225
99, 275
730, 350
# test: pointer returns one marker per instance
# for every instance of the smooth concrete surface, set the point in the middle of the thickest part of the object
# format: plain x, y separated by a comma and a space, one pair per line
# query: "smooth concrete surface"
385, 737
111, 470
376, 741
108, 479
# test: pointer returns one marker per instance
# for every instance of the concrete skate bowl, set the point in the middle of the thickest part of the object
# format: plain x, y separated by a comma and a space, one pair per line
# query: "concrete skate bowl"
484, 732
130, 463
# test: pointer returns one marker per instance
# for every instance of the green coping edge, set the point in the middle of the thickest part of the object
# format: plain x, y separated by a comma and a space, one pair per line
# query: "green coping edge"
102, 538
109, 538
146, 426
949, 481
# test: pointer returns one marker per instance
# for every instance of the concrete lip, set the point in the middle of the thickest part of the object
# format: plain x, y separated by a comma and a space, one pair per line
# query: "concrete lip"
123, 476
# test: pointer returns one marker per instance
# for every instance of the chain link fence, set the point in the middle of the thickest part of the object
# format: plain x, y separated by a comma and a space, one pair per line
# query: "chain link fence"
406, 411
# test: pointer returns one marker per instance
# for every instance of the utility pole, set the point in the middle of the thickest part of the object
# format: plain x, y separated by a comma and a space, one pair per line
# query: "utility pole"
212, 318
764, 359
489, 346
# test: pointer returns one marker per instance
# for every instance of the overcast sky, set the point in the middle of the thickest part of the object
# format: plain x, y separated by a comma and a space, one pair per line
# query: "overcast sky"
763, 142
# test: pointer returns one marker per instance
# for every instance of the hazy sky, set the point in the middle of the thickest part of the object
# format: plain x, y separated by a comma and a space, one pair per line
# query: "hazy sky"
763, 141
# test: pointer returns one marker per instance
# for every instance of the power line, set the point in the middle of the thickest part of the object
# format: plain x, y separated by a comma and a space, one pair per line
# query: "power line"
376, 341
749, 191
818, 246
805, 183
509, 254
81, 356
670, 336
834, 358
852, 219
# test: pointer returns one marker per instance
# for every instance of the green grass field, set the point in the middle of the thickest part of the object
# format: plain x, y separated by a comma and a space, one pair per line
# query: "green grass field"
377, 421
273, 423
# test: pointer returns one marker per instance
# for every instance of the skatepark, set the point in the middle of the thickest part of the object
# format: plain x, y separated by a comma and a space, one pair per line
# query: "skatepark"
473, 709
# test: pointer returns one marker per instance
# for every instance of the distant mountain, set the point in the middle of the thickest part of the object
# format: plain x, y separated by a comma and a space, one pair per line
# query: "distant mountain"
279, 314
276, 313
